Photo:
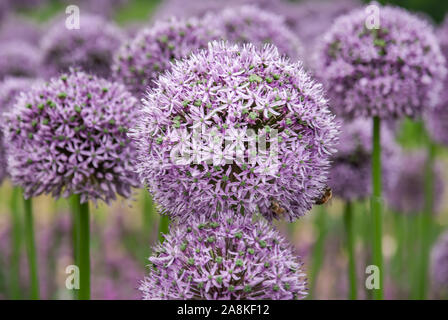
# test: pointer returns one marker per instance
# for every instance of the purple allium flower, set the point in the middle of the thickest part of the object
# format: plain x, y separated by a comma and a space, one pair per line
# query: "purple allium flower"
9, 90
139, 62
437, 118
239, 94
15, 28
90, 47
229, 258
310, 19
405, 187
68, 136
198, 8
439, 264
250, 24
390, 72
350, 173
19, 59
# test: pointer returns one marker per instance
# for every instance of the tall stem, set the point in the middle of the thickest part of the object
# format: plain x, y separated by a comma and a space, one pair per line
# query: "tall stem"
75, 209
426, 221
350, 242
164, 223
83, 255
318, 250
149, 211
31, 249
376, 206
16, 243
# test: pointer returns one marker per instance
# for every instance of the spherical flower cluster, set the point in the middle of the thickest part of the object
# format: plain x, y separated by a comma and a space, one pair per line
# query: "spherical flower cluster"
139, 62
235, 127
17, 28
437, 118
439, 264
19, 59
198, 8
249, 24
350, 173
68, 136
224, 259
405, 188
9, 90
90, 47
390, 72
310, 19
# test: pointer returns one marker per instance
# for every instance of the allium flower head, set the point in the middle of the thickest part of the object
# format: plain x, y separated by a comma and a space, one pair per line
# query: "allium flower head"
225, 259
405, 188
437, 118
439, 264
350, 173
139, 62
90, 47
234, 96
19, 59
68, 136
250, 24
390, 72
15, 28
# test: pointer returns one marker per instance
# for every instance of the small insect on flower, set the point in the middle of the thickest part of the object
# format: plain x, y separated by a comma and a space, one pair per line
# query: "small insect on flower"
326, 195
276, 209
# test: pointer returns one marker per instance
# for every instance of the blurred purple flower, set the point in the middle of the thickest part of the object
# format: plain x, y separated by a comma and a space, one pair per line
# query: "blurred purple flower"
224, 259
234, 93
9, 90
437, 118
405, 187
250, 24
16, 28
390, 72
106, 8
139, 62
350, 173
68, 136
90, 47
439, 264
19, 59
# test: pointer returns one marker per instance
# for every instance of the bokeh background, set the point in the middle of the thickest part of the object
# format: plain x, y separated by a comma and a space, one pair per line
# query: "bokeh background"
120, 238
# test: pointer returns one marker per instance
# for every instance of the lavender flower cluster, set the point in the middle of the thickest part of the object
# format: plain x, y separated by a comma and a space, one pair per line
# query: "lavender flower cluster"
139, 62
437, 119
232, 257
19, 59
90, 47
9, 89
406, 182
233, 91
249, 24
439, 264
68, 136
389, 72
350, 173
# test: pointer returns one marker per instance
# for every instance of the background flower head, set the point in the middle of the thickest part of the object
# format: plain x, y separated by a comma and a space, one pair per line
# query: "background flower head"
228, 258
90, 47
406, 180
215, 107
152, 50
351, 166
250, 24
390, 72
19, 59
68, 136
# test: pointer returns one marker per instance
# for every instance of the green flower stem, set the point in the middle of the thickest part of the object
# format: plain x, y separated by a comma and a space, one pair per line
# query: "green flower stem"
164, 223
426, 222
350, 243
376, 206
84, 251
31, 249
318, 250
16, 243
